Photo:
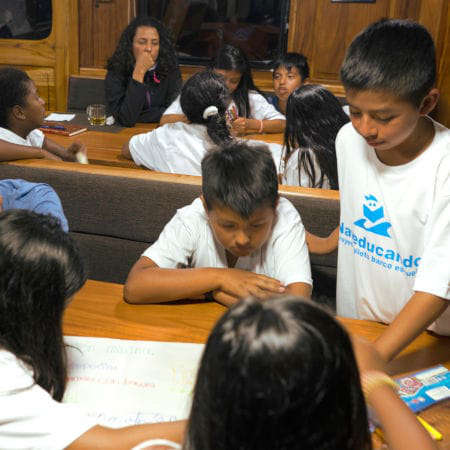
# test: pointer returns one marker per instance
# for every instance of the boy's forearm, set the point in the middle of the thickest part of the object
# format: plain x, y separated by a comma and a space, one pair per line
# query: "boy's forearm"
421, 310
322, 246
55, 149
11, 152
156, 285
299, 290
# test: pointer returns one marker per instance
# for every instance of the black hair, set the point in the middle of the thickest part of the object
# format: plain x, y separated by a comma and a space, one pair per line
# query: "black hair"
392, 55
14, 88
313, 118
233, 58
240, 177
122, 61
278, 374
40, 269
290, 60
202, 90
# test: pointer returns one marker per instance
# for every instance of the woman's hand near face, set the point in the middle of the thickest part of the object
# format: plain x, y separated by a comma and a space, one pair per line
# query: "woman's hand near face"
144, 61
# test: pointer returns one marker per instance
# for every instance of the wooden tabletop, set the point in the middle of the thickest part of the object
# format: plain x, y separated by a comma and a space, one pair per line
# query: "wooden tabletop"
105, 148
99, 310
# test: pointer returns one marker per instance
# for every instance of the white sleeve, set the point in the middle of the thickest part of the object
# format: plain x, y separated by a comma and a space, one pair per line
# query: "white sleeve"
433, 275
292, 263
144, 150
175, 245
174, 107
261, 109
36, 138
31, 418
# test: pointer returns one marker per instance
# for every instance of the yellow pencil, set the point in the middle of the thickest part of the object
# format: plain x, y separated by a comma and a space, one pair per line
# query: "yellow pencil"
433, 432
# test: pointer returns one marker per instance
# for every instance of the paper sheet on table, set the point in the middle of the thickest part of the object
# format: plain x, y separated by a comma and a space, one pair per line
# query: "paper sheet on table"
56, 117
122, 382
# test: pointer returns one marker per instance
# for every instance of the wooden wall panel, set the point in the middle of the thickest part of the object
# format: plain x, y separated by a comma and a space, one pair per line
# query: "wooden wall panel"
322, 31
49, 61
100, 28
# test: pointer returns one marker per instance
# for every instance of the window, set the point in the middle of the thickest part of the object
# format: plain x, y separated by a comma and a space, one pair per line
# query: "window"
25, 19
200, 28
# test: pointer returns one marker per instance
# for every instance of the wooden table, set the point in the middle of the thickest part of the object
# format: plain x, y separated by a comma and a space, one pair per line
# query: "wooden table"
99, 310
105, 148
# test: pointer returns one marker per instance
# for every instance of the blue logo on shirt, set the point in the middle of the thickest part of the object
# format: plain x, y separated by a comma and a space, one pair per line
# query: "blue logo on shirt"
373, 217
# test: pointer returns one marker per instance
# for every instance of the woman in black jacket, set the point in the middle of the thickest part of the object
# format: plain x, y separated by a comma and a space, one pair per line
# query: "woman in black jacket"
143, 75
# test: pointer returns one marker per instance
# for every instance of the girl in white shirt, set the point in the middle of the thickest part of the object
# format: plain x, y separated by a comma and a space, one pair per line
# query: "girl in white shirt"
283, 374
249, 112
180, 147
40, 270
314, 117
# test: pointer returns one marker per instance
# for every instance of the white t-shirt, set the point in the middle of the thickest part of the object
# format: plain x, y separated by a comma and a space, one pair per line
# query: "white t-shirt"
29, 416
394, 228
187, 240
291, 177
34, 139
179, 148
260, 108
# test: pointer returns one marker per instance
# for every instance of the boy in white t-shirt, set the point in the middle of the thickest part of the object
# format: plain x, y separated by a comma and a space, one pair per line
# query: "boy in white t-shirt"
22, 112
394, 180
238, 239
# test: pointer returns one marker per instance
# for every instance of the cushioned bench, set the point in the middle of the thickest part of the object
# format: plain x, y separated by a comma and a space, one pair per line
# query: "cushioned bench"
115, 213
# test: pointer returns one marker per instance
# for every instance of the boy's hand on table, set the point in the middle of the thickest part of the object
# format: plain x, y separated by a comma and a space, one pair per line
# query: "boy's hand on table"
76, 147
224, 299
242, 283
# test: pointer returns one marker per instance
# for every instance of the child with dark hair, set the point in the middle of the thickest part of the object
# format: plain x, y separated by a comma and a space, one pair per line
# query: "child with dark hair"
240, 238
290, 71
22, 111
282, 374
313, 118
40, 271
250, 112
180, 147
393, 167
143, 75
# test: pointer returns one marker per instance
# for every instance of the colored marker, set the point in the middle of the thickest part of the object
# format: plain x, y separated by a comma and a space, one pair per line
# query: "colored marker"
54, 127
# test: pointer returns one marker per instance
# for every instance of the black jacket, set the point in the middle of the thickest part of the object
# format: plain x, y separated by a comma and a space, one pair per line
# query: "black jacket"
127, 98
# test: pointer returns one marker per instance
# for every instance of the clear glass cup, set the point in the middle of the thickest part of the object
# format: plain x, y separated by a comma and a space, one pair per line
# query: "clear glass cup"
96, 114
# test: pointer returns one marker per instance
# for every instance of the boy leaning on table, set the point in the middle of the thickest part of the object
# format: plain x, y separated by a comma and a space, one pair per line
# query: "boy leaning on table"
238, 239
394, 180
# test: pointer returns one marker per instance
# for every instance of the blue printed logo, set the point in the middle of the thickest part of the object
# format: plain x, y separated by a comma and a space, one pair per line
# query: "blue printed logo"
373, 217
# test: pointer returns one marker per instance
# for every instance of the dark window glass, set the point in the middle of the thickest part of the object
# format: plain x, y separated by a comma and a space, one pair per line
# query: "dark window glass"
25, 19
258, 27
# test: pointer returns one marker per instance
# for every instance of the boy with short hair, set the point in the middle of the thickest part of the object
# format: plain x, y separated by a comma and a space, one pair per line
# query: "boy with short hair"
394, 179
289, 73
239, 238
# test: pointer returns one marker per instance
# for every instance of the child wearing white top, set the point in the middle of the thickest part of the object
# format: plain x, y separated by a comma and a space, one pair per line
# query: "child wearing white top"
40, 271
22, 111
238, 239
313, 118
180, 147
250, 112
393, 166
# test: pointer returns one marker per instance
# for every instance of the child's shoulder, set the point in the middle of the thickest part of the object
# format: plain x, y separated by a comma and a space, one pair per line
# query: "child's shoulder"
287, 215
193, 213
35, 138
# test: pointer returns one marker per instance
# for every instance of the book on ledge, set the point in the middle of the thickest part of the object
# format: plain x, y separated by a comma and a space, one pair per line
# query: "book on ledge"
62, 128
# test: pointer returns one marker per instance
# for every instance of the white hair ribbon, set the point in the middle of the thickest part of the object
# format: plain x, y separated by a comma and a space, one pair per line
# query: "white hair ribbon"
210, 111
